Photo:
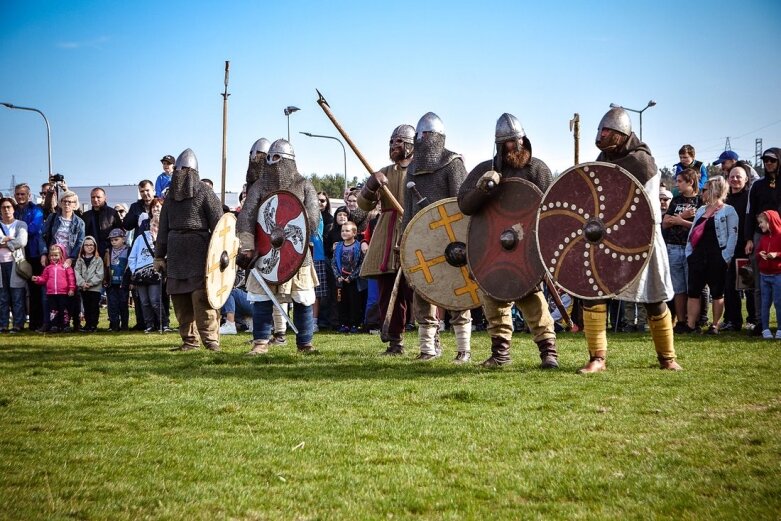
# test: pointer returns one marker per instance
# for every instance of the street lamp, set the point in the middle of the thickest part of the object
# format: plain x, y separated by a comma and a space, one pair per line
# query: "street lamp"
650, 104
288, 111
48, 130
344, 152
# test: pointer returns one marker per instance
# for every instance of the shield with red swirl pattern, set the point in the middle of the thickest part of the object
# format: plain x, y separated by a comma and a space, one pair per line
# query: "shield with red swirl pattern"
281, 237
595, 230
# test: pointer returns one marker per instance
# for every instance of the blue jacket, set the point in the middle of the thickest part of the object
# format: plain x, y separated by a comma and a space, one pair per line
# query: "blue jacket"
32, 214
354, 269
75, 240
703, 172
726, 221
162, 182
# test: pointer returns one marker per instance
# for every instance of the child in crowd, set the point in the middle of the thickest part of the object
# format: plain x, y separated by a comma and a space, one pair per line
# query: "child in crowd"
89, 271
60, 286
769, 251
146, 280
116, 290
346, 266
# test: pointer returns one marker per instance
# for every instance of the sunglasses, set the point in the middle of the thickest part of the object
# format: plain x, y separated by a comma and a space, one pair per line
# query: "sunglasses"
322, 200
770, 160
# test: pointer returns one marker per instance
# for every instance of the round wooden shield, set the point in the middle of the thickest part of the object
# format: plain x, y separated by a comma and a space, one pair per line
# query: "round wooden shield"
221, 261
595, 230
281, 237
502, 243
433, 257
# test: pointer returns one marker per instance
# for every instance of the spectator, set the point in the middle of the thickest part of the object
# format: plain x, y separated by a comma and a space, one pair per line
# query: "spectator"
675, 225
60, 283
738, 199
140, 209
321, 268
164, 179
709, 250
89, 271
237, 306
686, 155
346, 266
155, 208
65, 228
324, 203
358, 216
116, 261
101, 219
32, 215
770, 268
13, 239
146, 280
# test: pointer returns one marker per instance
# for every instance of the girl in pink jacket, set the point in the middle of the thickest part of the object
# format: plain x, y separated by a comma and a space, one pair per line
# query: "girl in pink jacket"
60, 286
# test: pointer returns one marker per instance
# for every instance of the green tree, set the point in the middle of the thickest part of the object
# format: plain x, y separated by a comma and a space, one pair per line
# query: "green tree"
332, 184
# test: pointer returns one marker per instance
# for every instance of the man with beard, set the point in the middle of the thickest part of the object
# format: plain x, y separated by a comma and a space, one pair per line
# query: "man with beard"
190, 213
763, 195
382, 259
437, 174
279, 173
513, 160
653, 287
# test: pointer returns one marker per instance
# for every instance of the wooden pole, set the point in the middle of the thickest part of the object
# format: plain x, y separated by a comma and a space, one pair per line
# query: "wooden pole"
225, 131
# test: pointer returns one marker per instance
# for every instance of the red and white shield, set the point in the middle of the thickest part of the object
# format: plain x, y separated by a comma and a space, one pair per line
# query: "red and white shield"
281, 237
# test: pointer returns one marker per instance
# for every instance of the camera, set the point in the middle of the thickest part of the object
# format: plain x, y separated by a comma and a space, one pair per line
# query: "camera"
57, 178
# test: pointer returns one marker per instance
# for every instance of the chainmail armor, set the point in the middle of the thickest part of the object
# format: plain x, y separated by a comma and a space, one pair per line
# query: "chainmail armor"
431, 154
439, 184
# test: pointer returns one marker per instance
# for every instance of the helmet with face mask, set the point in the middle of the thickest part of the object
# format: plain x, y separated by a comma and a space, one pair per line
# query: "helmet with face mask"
186, 159
280, 169
257, 159
185, 181
429, 143
406, 135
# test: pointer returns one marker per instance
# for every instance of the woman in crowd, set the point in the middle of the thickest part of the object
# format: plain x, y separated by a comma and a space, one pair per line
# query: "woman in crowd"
146, 280
676, 223
13, 239
711, 244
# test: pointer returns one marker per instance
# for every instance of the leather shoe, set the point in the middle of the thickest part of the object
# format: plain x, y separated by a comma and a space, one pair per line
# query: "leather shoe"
595, 364
425, 357
259, 347
184, 347
549, 361
462, 357
669, 364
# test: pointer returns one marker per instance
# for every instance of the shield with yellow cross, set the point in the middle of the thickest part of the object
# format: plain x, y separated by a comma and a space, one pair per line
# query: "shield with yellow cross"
221, 261
433, 257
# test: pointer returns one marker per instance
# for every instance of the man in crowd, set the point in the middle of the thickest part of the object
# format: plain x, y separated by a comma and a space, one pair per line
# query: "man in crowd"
101, 219
32, 215
437, 174
382, 259
513, 160
653, 288
146, 192
164, 179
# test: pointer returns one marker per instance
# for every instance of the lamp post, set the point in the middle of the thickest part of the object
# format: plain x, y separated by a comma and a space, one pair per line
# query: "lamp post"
344, 153
651, 103
48, 130
288, 111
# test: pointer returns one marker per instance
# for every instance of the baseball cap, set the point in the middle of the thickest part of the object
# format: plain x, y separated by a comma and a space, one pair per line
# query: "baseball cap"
116, 232
169, 159
664, 193
770, 154
727, 154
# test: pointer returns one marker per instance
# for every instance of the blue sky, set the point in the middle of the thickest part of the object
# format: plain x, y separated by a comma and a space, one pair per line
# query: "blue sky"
123, 83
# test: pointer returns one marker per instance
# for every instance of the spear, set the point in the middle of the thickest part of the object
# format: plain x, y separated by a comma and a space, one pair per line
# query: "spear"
225, 130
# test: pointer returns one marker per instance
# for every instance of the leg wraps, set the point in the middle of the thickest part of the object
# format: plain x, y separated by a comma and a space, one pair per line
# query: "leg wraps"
661, 327
463, 334
595, 329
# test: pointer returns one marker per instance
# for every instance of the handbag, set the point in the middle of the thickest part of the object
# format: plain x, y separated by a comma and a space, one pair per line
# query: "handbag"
23, 268
697, 232
146, 275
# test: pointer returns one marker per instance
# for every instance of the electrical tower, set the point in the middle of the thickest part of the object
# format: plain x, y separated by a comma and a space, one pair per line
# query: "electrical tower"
727, 145
757, 151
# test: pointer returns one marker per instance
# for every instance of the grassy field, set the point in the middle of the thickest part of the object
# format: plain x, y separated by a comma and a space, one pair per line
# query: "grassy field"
114, 426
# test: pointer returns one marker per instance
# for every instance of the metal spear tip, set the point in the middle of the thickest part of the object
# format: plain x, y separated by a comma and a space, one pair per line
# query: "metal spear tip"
321, 99
9, 105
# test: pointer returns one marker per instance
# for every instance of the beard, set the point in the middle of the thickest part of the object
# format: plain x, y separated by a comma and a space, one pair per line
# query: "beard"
396, 154
613, 141
517, 159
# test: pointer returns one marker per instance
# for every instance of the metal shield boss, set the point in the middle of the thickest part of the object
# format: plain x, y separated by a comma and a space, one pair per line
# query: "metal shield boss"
595, 230
281, 237
221, 261
502, 242
433, 257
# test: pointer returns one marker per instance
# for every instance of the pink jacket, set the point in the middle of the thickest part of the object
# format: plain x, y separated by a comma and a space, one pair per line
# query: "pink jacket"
58, 279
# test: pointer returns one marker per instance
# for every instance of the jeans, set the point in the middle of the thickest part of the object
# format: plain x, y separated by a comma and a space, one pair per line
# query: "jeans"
11, 299
150, 296
771, 291
238, 304
262, 322
118, 311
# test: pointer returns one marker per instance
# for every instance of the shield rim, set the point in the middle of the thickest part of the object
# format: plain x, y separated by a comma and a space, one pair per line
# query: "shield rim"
214, 301
403, 241
517, 180
643, 194
306, 235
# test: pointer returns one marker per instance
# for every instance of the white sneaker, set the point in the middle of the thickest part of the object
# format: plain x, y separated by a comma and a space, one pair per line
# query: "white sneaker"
778, 334
767, 335
228, 328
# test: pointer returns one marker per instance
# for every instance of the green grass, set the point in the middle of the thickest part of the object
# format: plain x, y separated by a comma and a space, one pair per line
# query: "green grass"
114, 426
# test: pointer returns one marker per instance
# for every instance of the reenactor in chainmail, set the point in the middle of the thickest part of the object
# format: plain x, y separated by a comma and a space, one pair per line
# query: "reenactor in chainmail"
279, 173
190, 213
653, 288
382, 259
437, 173
513, 160
257, 159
